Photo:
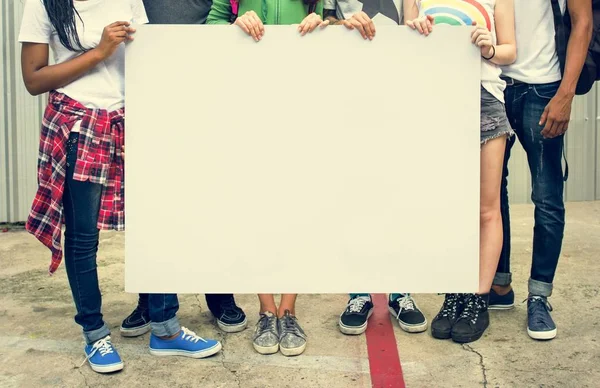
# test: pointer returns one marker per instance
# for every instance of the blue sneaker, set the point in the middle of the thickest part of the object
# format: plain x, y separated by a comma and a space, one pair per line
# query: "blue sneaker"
501, 302
103, 357
187, 344
540, 325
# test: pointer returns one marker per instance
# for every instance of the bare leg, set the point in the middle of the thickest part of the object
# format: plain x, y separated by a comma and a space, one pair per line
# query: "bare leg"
490, 220
288, 302
267, 303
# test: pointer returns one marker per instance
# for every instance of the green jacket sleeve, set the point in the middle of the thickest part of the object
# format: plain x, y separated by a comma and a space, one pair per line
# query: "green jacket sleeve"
220, 12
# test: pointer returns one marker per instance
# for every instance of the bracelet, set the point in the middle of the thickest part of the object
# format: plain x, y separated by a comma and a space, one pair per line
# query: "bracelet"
493, 55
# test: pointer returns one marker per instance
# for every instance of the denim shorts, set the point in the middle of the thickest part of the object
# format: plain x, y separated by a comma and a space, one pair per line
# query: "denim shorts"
494, 122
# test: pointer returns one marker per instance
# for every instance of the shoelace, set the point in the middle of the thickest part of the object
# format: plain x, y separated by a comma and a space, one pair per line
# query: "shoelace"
289, 325
357, 304
473, 305
406, 303
267, 323
449, 309
104, 346
538, 307
189, 335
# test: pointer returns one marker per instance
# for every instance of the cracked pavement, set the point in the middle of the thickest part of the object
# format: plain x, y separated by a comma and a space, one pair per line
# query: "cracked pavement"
40, 343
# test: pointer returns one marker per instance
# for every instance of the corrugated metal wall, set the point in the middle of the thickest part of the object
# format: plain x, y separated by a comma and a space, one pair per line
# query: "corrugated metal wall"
582, 147
20, 116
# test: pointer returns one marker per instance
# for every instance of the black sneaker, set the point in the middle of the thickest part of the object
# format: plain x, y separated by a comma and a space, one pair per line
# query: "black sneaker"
441, 326
501, 302
355, 318
137, 323
473, 320
409, 317
230, 318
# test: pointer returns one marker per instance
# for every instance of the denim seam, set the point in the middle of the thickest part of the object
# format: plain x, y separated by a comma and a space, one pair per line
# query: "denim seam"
78, 301
535, 91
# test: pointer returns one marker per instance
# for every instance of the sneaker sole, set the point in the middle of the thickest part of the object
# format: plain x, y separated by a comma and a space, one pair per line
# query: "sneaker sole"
353, 330
407, 327
441, 335
542, 335
293, 352
466, 339
235, 328
107, 368
265, 350
135, 332
186, 353
501, 306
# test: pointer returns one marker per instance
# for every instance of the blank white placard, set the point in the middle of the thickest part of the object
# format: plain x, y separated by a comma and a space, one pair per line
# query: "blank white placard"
316, 164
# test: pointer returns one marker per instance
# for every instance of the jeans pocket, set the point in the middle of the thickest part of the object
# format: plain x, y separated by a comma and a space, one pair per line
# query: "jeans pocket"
546, 91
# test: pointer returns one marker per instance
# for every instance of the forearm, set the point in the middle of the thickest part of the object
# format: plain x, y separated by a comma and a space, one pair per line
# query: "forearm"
411, 10
53, 77
506, 54
577, 49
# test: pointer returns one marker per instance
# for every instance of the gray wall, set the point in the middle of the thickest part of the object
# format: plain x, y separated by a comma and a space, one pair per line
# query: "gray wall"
20, 116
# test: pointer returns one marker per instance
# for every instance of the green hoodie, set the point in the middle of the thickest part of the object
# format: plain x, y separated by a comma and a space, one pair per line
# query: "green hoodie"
277, 12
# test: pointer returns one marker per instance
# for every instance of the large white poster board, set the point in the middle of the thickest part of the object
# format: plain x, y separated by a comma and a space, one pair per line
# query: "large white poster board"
316, 164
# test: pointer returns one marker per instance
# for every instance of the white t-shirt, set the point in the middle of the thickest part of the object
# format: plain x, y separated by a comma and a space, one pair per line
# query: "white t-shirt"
537, 60
103, 87
490, 72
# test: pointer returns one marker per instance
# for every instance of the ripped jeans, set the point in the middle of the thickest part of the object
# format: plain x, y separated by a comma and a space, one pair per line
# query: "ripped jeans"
524, 105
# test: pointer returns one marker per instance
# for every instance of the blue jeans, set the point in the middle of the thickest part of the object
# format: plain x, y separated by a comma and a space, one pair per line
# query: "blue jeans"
81, 203
524, 106
212, 300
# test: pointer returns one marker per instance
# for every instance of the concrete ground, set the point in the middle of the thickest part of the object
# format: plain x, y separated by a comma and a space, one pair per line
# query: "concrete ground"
40, 345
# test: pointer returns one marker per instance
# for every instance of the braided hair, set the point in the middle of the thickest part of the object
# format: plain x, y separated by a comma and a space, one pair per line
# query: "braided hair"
62, 16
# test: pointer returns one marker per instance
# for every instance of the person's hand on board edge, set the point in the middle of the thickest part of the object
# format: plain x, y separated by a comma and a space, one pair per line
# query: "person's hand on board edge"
362, 22
310, 23
251, 24
482, 38
424, 24
112, 36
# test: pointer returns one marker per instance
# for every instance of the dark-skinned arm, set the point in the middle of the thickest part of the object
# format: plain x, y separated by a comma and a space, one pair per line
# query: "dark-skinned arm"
40, 78
557, 114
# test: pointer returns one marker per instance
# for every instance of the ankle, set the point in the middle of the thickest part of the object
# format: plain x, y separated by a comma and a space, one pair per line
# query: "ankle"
282, 311
171, 337
268, 310
501, 290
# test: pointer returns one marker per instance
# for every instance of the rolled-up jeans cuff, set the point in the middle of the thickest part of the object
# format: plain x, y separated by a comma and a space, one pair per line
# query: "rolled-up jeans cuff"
167, 328
95, 335
539, 288
502, 279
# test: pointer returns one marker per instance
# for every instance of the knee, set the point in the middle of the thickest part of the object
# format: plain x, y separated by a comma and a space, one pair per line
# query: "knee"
81, 245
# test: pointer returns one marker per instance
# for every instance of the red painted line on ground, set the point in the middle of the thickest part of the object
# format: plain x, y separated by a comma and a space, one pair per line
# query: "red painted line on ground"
384, 361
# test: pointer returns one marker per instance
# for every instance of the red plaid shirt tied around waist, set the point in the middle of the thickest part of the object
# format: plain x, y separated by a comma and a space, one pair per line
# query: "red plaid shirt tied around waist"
99, 160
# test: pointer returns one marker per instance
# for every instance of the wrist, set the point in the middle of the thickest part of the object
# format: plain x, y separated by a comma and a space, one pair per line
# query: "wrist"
489, 53
98, 54
566, 91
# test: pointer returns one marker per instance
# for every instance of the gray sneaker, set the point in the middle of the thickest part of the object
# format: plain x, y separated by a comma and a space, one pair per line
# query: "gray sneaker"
266, 334
292, 340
